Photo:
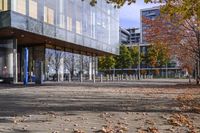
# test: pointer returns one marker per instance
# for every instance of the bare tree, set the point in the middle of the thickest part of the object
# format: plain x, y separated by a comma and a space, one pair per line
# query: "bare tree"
54, 58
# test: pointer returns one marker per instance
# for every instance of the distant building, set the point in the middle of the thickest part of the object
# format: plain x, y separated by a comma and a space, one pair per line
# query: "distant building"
129, 37
150, 13
134, 35
171, 68
124, 36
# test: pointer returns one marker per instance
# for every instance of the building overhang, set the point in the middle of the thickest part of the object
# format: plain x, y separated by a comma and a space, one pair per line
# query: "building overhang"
30, 32
29, 39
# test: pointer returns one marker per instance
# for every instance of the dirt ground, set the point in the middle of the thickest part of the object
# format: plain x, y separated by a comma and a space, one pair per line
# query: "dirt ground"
156, 106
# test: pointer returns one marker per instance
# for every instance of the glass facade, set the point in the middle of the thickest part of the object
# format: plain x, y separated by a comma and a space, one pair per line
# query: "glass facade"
33, 8
8, 59
74, 21
60, 64
71, 34
3, 5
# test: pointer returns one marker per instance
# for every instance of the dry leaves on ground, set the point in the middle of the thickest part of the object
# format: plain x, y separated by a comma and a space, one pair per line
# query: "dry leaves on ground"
189, 102
78, 131
183, 121
148, 130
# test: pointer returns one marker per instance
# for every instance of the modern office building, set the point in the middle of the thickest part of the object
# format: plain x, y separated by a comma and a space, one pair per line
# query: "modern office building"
134, 35
150, 13
64, 36
124, 36
129, 36
173, 67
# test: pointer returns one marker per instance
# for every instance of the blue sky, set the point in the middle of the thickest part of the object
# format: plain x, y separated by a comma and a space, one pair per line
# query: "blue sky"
130, 14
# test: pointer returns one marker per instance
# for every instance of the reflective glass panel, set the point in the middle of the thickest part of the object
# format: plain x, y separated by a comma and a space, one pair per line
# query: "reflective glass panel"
3, 5
33, 8
19, 6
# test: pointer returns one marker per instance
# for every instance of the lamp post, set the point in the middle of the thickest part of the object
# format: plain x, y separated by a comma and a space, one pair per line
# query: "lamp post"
138, 61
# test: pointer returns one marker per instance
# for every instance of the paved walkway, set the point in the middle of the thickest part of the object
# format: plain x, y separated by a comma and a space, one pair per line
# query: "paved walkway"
132, 107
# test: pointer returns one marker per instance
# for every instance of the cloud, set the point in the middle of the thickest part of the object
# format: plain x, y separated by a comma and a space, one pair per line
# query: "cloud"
130, 14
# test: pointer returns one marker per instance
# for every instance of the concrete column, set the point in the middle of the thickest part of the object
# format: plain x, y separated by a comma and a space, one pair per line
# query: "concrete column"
94, 68
9, 61
61, 69
15, 76
90, 68
81, 68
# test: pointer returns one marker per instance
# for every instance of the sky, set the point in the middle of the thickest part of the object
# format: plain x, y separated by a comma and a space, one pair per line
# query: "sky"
130, 14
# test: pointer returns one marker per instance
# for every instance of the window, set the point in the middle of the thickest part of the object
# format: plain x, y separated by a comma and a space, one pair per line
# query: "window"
33, 8
78, 27
70, 14
50, 11
61, 15
3, 5
79, 12
69, 23
48, 15
20, 6
62, 21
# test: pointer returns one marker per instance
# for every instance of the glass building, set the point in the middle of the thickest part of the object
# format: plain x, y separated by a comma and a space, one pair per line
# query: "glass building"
67, 36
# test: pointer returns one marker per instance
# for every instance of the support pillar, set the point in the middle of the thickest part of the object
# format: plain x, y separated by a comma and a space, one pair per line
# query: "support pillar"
61, 69
15, 74
90, 68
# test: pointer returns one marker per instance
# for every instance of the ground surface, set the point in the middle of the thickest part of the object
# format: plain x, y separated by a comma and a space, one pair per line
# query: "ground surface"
150, 106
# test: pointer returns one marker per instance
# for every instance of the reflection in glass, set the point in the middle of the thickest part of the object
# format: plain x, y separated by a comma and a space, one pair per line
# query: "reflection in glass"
6, 59
49, 11
3, 5
20, 6
33, 8
73, 21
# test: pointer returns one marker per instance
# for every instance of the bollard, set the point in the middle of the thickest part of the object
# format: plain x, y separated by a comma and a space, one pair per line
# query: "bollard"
113, 77
101, 78
81, 77
94, 78
134, 77
117, 77
126, 77
69, 78
131, 77
107, 77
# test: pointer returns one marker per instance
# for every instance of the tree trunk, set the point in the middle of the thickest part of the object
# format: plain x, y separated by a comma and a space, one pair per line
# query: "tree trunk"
197, 73
57, 76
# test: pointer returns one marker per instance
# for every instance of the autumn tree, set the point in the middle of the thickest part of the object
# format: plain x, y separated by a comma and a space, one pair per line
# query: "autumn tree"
124, 59
188, 8
157, 55
135, 55
180, 34
106, 63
